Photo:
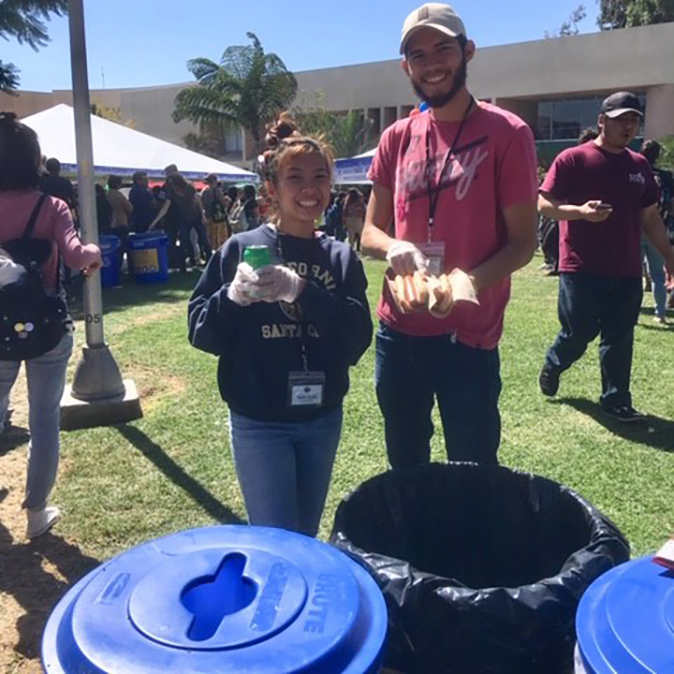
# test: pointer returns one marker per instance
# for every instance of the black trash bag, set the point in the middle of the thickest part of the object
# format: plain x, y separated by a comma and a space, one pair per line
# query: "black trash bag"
482, 567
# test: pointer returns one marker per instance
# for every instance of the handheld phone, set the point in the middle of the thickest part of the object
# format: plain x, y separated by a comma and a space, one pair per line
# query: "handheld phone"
603, 207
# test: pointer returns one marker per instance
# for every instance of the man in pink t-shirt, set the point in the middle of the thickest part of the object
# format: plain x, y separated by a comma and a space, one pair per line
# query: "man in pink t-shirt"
458, 185
604, 196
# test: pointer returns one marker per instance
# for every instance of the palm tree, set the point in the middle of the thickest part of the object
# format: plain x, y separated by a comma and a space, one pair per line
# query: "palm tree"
248, 88
347, 133
9, 78
24, 20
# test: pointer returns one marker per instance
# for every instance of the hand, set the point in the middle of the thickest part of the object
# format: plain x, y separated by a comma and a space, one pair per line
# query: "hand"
595, 211
93, 266
241, 290
405, 258
442, 299
669, 263
277, 283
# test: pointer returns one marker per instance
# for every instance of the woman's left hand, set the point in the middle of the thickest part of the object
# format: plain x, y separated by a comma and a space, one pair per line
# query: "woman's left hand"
93, 266
277, 283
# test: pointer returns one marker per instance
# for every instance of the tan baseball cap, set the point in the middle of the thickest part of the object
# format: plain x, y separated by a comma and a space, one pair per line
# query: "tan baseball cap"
432, 15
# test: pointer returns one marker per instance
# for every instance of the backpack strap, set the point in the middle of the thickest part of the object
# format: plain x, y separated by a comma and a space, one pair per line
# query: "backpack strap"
33, 217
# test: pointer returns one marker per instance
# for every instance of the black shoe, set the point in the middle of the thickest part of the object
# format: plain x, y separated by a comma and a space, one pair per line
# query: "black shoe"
625, 413
548, 380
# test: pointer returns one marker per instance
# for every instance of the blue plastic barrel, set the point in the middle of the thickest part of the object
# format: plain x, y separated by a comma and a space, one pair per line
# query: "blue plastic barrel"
149, 257
625, 621
221, 599
109, 246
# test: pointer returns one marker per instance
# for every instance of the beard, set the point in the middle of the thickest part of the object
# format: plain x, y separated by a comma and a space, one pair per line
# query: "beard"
442, 99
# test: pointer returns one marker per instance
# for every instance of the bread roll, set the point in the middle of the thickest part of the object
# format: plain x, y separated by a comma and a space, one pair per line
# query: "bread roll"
420, 289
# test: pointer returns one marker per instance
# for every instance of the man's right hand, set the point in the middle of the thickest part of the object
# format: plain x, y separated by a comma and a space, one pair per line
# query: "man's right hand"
595, 211
405, 258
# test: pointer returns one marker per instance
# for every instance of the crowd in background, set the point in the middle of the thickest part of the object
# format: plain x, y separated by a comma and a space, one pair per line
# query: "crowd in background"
196, 221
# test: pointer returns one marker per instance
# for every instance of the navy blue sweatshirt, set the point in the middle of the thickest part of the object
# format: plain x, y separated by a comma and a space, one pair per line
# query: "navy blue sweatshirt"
259, 345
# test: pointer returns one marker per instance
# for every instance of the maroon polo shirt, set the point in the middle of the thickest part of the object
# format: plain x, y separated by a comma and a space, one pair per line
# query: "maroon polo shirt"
585, 173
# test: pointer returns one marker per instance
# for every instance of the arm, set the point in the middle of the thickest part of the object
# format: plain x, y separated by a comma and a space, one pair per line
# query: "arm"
212, 316
76, 254
521, 221
374, 239
160, 215
128, 206
342, 317
654, 228
556, 209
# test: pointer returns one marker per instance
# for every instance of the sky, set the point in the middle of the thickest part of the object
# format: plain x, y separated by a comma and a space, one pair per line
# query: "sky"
141, 43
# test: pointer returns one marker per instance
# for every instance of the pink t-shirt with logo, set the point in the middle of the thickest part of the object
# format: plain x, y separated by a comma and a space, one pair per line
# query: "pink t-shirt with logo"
492, 168
625, 180
54, 224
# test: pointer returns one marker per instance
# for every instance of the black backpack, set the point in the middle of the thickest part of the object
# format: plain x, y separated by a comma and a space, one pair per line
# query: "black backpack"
31, 322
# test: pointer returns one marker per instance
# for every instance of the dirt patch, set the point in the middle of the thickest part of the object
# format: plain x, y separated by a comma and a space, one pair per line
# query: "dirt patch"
157, 314
153, 387
33, 576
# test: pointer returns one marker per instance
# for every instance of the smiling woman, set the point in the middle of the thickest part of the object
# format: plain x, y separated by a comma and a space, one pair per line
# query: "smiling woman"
286, 334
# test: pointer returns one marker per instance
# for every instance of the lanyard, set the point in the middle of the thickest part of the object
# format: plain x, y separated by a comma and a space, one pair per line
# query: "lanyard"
434, 195
304, 326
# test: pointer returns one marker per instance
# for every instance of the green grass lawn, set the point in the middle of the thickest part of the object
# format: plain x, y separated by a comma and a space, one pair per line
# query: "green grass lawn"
173, 470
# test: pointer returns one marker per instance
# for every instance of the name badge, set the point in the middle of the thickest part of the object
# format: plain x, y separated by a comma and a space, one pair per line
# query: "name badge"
305, 389
435, 254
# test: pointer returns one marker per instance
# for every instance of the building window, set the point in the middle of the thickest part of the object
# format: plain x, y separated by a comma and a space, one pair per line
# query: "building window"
234, 140
565, 119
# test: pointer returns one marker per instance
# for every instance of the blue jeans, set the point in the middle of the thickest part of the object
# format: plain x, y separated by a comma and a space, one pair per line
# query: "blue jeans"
284, 469
656, 270
597, 305
46, 377
411, 371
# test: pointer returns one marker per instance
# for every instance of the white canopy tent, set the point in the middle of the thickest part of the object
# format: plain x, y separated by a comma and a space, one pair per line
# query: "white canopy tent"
122, 151
353, 171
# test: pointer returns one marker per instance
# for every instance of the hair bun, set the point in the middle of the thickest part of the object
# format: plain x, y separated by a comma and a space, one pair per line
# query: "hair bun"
284, 127
8, 117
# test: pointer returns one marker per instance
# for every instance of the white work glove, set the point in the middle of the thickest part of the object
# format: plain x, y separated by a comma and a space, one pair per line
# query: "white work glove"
277, 283
10, 272
405, 258
242, 288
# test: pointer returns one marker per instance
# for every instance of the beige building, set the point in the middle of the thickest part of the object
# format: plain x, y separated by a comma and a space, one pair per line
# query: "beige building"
556, 85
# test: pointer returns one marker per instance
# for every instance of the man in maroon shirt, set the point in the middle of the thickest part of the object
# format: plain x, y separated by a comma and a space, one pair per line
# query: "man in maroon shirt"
604, 196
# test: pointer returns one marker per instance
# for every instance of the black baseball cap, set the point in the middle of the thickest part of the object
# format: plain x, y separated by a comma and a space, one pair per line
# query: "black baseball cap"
619, 103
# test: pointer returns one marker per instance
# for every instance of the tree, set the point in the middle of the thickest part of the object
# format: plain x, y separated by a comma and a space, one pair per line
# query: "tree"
348, 133
569, 27
203, 144
9, 78
667, 154
629, 13
24, 20
111, 114
248, 88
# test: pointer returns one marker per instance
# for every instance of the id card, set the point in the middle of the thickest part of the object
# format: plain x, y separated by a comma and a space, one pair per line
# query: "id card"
435, 254
305, 389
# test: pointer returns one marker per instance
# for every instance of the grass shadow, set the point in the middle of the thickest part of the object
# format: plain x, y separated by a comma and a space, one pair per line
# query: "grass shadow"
654, 432
174, 472
23, 576
13, 437
131, 294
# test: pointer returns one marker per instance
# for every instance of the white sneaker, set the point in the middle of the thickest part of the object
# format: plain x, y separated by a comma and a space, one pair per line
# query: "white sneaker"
41, 521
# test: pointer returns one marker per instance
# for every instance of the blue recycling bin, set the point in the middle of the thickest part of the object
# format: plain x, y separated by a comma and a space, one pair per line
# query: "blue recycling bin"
149, 257
221, 599
625, 621
109, 245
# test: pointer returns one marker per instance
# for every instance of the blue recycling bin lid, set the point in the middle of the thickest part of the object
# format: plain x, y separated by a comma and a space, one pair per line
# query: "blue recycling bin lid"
625, 620
221, 599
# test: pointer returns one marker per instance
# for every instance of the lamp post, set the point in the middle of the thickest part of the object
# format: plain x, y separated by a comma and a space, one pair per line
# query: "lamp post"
98, 395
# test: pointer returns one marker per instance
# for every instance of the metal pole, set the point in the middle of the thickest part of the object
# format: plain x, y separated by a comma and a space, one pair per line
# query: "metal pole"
97, 376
